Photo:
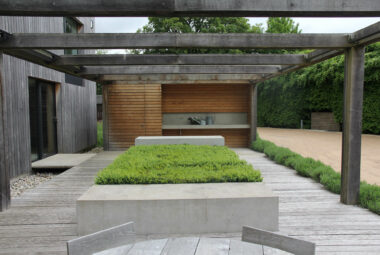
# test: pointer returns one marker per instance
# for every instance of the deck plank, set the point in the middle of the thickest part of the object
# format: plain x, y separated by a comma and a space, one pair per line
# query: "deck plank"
310, 212
41, 220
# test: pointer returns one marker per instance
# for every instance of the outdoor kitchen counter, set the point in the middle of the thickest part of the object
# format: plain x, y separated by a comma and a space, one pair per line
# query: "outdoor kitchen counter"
240, 126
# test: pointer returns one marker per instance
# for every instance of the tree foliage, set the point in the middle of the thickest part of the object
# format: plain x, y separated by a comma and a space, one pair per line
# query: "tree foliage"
198, 25
282, 25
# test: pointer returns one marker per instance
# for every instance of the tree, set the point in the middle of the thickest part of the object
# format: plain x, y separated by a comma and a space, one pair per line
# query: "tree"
282, 25
198, 25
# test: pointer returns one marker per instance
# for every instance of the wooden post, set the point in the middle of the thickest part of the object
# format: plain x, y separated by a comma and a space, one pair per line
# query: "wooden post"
105, 118
5, 197
352, 124
253, 116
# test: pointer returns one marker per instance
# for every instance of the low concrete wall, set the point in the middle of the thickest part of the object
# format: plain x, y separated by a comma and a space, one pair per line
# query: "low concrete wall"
178, 208
193, 140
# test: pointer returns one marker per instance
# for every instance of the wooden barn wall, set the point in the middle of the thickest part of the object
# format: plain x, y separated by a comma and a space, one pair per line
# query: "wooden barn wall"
205, 98
131, 111
227, 98
76, 105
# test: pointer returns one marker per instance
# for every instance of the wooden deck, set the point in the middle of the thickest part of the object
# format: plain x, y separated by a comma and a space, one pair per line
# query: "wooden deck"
43, 219
309, 212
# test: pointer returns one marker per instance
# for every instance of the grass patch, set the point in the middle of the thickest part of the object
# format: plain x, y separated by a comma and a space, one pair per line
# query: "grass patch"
308, 167
161, 164
100, 134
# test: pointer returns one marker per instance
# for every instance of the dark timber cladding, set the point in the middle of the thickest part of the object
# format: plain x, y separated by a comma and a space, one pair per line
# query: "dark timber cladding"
352, 125
167, 8
5, 196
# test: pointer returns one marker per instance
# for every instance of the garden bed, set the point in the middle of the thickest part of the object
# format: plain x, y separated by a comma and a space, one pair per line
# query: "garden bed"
164, 164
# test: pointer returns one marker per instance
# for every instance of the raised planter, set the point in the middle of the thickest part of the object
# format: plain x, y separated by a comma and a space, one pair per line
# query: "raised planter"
178, 208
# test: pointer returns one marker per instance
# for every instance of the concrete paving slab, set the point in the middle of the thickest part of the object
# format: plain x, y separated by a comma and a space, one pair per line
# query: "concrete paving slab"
62, 161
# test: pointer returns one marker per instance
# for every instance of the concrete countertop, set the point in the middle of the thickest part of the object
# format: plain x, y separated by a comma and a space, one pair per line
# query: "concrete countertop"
239, 126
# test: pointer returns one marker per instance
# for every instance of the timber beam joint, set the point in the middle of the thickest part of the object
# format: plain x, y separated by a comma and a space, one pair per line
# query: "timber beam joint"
4, 35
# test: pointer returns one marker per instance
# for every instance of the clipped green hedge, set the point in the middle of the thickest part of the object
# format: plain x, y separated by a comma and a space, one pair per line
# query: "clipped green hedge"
308, 167
99, 134
161, 164
286, 100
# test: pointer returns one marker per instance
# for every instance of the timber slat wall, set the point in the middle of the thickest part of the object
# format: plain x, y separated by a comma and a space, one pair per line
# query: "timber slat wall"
220, 98
76, 105
205, 98
132, 111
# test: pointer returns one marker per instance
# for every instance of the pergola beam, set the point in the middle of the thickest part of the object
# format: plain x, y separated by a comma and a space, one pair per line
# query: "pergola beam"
168, 8
366, 35
174, 40
180, 69
312, 58
181, 59
177, 78
44, 58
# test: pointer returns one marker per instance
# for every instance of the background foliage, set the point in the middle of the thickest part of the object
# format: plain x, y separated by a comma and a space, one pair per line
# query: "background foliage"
284, 101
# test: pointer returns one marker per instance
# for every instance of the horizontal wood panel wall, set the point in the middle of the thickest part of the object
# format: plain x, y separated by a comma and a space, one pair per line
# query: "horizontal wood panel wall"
205, 98
219, 98
75, 105
131, 111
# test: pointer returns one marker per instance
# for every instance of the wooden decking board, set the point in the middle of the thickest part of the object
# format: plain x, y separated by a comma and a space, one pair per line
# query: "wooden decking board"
42, 220
309, 212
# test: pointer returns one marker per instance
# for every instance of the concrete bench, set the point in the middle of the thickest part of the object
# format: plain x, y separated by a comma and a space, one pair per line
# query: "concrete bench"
178, 208
193, 140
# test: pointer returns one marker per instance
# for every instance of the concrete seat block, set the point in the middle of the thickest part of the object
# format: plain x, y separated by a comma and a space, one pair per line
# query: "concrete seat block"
179, 208
193, 140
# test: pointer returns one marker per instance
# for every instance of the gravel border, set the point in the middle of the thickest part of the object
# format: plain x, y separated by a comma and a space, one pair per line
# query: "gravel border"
25, 182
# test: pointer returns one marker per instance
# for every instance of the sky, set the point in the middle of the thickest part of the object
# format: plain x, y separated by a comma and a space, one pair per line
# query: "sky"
307, 25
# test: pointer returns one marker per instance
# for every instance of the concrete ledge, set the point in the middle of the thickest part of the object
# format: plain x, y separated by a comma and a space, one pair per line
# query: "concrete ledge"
178, 208
62, 161
193, 140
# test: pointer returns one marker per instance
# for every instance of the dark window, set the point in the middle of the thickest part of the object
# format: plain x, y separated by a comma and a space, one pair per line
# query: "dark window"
43, 120
71, 26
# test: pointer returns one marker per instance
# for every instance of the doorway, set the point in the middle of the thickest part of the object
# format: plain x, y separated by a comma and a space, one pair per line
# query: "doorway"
43, 120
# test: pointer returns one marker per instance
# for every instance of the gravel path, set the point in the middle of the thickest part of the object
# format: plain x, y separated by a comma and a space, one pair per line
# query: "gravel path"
327, 147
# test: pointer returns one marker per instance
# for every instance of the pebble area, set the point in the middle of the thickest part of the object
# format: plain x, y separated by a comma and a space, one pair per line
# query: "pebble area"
25, 182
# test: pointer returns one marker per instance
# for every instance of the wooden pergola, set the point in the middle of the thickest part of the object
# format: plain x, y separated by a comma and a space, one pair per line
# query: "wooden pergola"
166, 69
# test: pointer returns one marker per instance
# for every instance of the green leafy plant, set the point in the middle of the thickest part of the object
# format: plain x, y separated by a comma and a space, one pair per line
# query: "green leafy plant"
286, 100
308, 167
99, 134
160, 164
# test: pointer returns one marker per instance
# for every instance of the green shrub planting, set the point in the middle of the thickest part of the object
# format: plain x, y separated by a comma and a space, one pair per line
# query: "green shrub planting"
100, 134
160, 164
308, 167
